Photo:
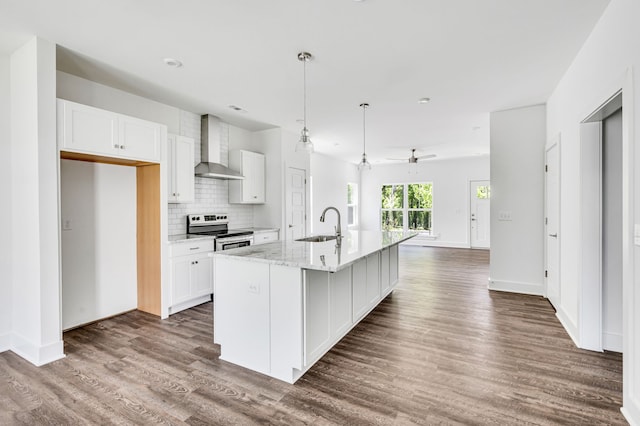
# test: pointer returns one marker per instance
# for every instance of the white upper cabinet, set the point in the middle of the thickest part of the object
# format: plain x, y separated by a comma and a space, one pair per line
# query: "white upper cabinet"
89, 130
180, 169
251, 189
139, 139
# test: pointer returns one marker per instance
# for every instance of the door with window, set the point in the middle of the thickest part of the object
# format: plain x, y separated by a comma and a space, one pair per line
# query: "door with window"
480, 199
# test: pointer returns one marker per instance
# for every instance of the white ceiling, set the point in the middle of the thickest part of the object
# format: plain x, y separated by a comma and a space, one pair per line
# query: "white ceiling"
470, 57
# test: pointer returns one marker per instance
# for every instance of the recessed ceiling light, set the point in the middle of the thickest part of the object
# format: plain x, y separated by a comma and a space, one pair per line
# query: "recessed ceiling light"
237, 108
424, 100
171, 62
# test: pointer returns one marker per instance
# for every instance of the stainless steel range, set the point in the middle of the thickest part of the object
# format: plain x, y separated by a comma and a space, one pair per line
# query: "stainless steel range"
217, 225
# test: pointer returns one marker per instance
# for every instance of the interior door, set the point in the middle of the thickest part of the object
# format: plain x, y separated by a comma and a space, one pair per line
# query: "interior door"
480, 199
552, 222
295, 203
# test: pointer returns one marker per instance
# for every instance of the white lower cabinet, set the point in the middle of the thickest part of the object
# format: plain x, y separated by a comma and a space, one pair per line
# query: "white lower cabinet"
279, 320
191, 274
264, 237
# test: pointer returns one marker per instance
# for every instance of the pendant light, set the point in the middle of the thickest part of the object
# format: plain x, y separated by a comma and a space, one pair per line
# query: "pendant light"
304, 144
364, 164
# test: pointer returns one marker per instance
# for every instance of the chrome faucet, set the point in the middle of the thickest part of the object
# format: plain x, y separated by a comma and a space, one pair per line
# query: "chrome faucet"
338, 227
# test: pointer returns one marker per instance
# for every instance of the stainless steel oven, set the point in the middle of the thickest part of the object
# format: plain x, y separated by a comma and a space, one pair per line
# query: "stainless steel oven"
217, 225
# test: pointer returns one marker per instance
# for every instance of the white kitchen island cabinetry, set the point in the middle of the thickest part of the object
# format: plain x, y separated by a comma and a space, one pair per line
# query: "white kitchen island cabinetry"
191, 273
251, 189
181, 184
281, 306
88, 130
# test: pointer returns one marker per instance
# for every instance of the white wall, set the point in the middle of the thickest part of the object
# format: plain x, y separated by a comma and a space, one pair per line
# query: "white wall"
5, 213
450, 179
329, 179
517, 183
608, 61
36, 332
99, 268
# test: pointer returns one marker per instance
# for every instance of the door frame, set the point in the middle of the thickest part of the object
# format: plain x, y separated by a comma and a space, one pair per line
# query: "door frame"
555, 141
469, 193
590, 333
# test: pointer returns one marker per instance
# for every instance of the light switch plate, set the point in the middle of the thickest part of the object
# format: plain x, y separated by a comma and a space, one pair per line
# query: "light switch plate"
504, 215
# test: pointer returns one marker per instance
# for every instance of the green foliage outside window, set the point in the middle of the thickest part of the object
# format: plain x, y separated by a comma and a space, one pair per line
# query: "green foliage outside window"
417, 213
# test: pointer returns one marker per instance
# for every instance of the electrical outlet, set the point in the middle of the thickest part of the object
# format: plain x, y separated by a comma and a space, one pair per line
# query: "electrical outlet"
636, 234
253, 288
504, 215
66, 225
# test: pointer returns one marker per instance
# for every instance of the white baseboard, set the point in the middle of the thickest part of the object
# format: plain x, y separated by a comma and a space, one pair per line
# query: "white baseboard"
631, 412
37, 355
189, 304
433, 243
516, 287
612, 342
5, 342
569, 326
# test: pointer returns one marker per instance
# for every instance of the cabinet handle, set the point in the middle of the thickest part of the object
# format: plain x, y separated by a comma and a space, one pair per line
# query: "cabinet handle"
196, 262
178, 194
121, 146
174, 194
194, 248
116, 146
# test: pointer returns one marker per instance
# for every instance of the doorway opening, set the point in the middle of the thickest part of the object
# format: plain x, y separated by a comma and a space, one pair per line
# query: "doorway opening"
601, 310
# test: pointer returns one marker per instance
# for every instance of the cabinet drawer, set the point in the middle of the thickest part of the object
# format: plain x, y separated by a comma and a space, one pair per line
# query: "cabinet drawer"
265, 237
183, 249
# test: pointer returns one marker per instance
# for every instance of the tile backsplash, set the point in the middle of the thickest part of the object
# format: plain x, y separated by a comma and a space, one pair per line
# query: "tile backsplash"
211, 195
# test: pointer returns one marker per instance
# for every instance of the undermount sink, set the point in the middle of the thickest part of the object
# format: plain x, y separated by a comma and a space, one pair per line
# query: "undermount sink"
317, 238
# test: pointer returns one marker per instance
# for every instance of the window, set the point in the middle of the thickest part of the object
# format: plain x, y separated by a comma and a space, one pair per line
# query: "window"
392, 207
407, 207
483, 192
352, 204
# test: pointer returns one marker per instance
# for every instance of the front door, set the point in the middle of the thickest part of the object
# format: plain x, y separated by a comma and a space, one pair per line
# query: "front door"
552, 222
480, 208
295, 203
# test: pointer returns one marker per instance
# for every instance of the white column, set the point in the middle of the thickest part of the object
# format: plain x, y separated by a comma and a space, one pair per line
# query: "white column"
36, 329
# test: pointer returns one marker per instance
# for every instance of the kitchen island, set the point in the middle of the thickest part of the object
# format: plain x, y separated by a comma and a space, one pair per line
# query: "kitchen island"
279, 307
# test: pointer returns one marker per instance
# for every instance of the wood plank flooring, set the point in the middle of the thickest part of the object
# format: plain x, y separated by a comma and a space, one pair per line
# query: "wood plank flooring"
441, 349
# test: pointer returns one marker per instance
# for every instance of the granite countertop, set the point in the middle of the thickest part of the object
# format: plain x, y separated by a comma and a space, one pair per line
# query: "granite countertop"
322, 256
181, 238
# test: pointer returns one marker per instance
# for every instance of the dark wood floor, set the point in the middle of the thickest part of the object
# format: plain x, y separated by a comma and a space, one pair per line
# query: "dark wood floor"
440, 350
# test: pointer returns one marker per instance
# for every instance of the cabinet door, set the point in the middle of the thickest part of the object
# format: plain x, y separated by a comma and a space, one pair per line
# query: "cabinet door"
139, 139
340, 303
181, 279
393, 265
86, 129
172, 193
373, 279
201, 276
180, 175
256, 183
183, 169
385, 284
359, 289
251, 189
316, 314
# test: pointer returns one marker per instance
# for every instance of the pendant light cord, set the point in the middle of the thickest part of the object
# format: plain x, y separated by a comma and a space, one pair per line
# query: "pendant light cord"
304, 92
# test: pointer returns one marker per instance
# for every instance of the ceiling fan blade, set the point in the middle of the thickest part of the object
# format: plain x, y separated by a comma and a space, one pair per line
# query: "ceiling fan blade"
422, 157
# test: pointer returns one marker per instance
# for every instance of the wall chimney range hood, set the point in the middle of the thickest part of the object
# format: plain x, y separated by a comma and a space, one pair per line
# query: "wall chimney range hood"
211, 167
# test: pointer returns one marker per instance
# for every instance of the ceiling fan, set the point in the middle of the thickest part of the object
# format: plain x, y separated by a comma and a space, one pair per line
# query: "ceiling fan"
413, 159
